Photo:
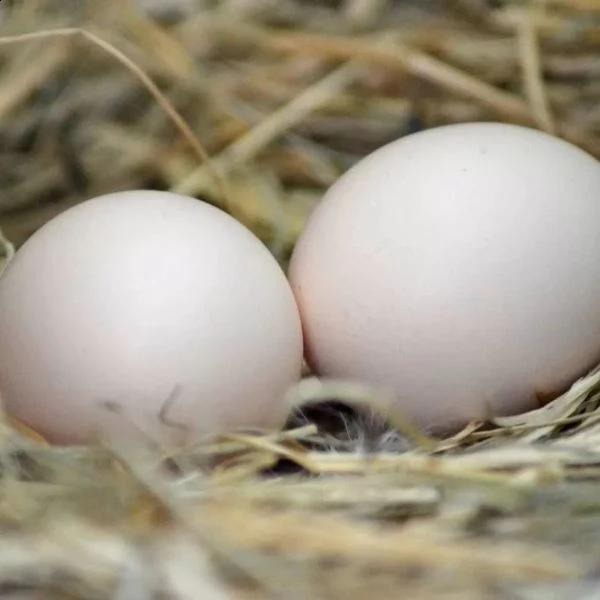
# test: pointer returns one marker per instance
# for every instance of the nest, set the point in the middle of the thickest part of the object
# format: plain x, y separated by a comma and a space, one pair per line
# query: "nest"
258, 106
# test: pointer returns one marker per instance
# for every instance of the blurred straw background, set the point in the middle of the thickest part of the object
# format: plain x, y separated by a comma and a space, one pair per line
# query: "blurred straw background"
258, 106
283, 95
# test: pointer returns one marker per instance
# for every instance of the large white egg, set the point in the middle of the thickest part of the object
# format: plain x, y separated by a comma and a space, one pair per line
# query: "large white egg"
131, 299
459, 269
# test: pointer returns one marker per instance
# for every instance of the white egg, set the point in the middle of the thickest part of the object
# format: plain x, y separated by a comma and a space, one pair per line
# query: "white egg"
132, 299
458, 269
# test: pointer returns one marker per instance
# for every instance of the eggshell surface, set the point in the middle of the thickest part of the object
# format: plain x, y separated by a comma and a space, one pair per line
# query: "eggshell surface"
131, 299
459, 269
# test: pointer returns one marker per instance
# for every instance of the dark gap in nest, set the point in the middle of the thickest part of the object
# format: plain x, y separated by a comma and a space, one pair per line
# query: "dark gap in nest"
22, 138
154, 182
28, 468
25, 135
329, 3
346, 428
283, 468
342, 135
52, 91
10, 589
414, 124
68, 154
480, 522
341, 428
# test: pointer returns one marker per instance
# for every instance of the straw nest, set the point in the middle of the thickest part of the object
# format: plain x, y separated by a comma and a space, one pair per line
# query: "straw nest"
283, 96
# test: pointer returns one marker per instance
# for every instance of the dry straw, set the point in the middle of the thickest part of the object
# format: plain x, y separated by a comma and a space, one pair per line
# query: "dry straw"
258, 106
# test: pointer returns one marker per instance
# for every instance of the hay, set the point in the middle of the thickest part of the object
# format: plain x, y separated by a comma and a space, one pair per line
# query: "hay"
283, 96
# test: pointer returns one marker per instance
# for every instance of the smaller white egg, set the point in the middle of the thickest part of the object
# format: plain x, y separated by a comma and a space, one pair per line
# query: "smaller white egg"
130, 299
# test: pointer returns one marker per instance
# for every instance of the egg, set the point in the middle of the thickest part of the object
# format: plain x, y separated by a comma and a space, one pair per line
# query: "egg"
137, 302
458, 270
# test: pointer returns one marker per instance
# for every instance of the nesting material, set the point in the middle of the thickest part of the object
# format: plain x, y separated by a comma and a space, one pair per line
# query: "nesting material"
349, 501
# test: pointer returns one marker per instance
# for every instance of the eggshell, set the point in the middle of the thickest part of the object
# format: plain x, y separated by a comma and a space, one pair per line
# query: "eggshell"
459, 269
132, 299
